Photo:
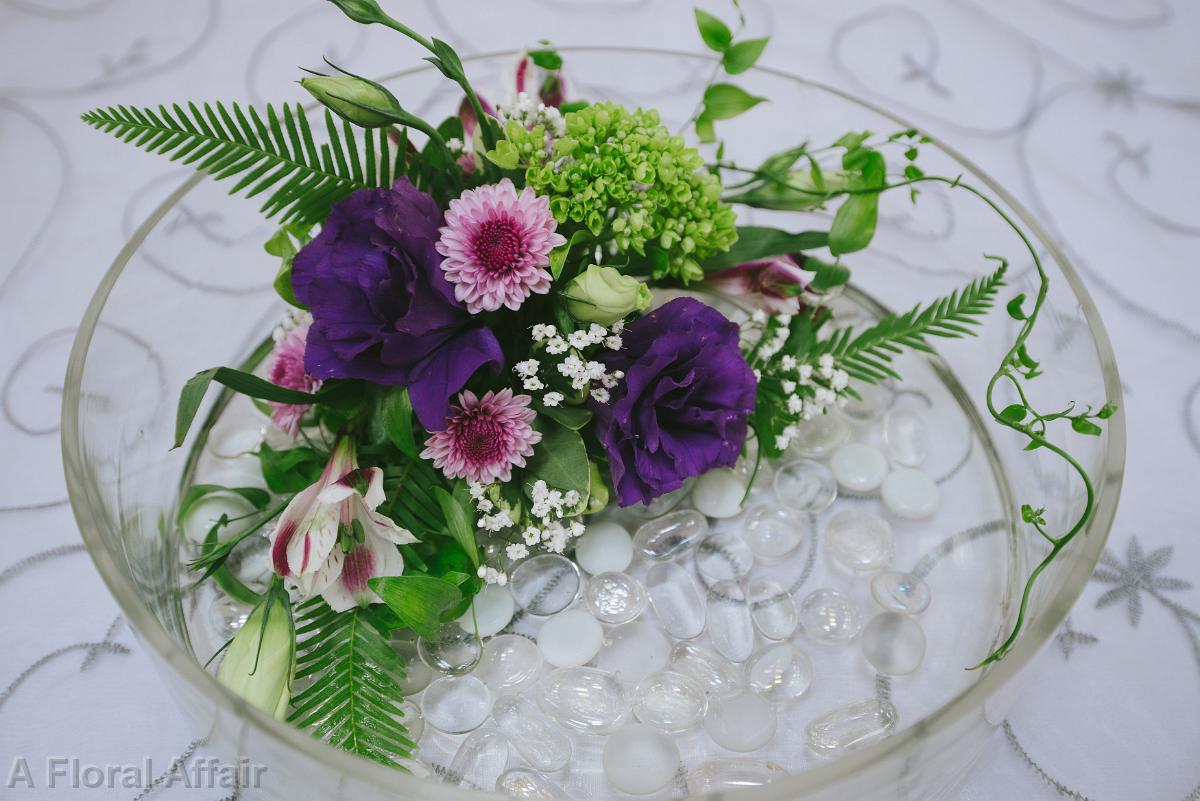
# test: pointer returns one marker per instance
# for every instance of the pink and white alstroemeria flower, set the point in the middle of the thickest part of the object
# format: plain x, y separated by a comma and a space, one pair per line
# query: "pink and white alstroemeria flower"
331, 541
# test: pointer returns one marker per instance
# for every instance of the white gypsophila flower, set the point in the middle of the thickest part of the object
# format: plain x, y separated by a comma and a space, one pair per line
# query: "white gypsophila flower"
617, 327
597, 333
527, 368
484, 505
805, 372
840, 380
543, 331
794, 404
600, 395
492, 576
757, 374
788, 385
825, 361
455, 145
788, 362
552, 398
571, 498
516, 551
556, 345
533, 384
532, 535
578, 339
477, 489
613, 342
577, 528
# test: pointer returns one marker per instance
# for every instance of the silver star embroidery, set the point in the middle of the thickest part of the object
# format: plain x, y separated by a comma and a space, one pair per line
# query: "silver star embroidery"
1069, 638
1120, 86
1139, 574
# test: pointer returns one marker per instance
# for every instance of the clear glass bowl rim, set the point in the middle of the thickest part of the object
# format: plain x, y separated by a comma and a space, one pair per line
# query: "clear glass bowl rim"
1091, 540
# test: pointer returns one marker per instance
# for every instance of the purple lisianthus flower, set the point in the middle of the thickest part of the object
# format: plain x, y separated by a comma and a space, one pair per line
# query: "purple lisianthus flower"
382, 308
682, 406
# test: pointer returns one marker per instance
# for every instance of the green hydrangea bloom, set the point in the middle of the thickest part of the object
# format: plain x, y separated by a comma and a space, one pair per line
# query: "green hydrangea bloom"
623, 169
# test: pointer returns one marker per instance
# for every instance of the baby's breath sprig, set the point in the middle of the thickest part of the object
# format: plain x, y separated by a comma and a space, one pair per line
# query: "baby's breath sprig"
571, 372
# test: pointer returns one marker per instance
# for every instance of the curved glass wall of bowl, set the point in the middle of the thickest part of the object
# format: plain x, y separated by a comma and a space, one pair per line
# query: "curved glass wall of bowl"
208, 309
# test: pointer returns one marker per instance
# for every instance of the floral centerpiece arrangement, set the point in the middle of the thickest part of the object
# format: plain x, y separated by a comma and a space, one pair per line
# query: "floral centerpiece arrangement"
475, 361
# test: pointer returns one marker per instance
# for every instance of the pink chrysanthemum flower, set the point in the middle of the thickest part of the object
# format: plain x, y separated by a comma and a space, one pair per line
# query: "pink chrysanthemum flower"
287, 370
497, 246
485, 437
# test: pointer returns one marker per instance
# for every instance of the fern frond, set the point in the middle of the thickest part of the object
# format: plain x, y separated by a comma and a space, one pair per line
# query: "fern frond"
353, 700
868, 356
278, 154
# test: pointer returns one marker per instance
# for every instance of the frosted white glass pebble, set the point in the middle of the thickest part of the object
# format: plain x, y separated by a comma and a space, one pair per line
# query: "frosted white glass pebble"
710, 670
773, 531
873, 401
615, 598
244, 471
670, 536
677, 600
893, 643
900, 592
780, 672
235, 435
456, 704
851, 727
412, 719
910, 493
530, 785
905, 438
491, 610
741, 723
605, 547
859, 541
480, 760
729, 624
570, 638
737, 773
453, 651
670, 701
719, 493
724, 556
584, 699
663, 503
805, 485
817, 438
510, 663
542, 743
417, 674
640, 760
830, 616
205, 513
858, 467
772, 609
634, 652
545, 584
227, 616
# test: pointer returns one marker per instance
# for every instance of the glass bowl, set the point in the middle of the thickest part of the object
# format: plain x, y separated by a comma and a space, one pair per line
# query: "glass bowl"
192, 290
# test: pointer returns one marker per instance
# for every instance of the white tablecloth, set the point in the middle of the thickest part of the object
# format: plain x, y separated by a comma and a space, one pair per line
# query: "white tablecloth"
1089, 110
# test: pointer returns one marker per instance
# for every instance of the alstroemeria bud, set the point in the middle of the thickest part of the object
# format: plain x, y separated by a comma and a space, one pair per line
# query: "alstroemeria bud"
776, 283
261, 661
598, 493
603, 295
357, 100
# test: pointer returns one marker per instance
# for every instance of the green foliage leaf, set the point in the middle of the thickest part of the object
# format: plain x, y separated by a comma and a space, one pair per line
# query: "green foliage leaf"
757, 242
854, 223
290, 470
1014, 307
353, 699
1084, 426
1107, 411
560, 460
547, 58
572, 417
743, 55
724, 101
1014, 413
558, 256
397, 412
418, 601
505, 155
714, 32
459, 522
249, 384
827, 275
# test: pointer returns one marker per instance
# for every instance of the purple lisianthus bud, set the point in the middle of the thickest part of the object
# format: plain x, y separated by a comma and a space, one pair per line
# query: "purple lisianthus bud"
682, 407
775, 283
382, 308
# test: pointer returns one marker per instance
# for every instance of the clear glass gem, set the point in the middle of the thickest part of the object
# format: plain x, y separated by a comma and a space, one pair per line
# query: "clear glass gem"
530, 785
910, 494
727, 775
605, 547
417, 674
773, 531
510, 664
893, 643
905, 438
805, 485
772, 609
780, 672
873, 401
542, 743
830, 616
584, 699
639, 759
729, 624
858, 467
453, 651
570, 638
615, 598
634, 652
670, 536
851, 727
719, 493
818, 437
724, 556
412, 719
227, 616
491, 610
707, 668
545, 584
670, 701
741, 723
677, 599
859, 541
456, 704
900, 592
663, 503
480, 760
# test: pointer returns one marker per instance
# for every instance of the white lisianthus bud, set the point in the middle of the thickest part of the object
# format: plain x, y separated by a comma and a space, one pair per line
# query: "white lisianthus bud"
260, 663
603, 295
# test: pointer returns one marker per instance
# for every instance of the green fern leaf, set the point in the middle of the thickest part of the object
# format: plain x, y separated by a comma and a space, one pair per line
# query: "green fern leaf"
353, 700
277, 156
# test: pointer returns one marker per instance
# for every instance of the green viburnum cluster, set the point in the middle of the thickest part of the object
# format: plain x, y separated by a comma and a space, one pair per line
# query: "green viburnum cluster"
622, 171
